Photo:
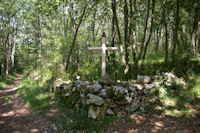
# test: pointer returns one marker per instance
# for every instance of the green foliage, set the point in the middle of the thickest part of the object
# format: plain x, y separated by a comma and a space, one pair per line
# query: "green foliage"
5, 99
5, 80
78, 121
177, 99
38, 98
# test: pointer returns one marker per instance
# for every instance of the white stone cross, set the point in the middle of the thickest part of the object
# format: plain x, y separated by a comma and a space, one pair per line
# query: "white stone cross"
103, 48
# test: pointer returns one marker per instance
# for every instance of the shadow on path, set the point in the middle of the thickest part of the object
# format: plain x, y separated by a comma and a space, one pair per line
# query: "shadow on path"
16, 116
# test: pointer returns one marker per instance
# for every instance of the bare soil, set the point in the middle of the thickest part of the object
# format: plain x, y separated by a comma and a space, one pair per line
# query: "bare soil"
16, 116
153, 123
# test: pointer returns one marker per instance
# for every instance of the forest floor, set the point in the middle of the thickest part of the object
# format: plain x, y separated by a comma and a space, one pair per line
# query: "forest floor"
158, 123
16, 116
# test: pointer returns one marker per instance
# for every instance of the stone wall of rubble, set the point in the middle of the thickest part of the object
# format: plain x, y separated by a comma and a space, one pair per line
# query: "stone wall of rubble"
106, 97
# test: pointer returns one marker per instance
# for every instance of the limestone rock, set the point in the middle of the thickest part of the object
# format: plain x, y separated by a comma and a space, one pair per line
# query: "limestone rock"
132, 88
106, 80
120, 89
139, 86
96, 87
67, 94
169, 75
149, 86
125, 84
107, 87
113, 105
143, 79
83, 99
93, 111
132, 94
103, 93
93, 99
134, 106
81, 84
156, 84
128, 99
121, 103
109, 112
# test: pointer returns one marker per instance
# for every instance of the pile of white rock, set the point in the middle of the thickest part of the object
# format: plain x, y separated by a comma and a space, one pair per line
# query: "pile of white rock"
105, 97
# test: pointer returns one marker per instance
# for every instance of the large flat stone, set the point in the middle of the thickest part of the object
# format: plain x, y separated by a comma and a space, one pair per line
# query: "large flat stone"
143, 79
93, 99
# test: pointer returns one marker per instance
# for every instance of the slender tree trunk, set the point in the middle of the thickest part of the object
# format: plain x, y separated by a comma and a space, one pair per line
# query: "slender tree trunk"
134, 46
39, 35
118, 31
157, 36
144, 32
112, 62
166, 32
126, 39
94, 23
74, 38
3, 57
195, 28
150, 32
8, 53
13, 55
161, 37
143, 39
113, 28
199, 43
175, 31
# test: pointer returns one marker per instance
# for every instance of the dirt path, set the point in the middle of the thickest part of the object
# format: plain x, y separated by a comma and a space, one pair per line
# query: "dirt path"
152, 123
16, 116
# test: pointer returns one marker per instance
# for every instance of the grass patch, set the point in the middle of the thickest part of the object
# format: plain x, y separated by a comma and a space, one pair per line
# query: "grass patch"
5, 99
39, 100
78, 121
37, 97
5, 80
176, 100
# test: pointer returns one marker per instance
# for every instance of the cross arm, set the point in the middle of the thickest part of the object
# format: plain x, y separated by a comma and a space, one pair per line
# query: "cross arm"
112, 48
94, 48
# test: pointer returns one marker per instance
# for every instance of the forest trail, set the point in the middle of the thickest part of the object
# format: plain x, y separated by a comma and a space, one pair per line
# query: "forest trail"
16, 116
154, 123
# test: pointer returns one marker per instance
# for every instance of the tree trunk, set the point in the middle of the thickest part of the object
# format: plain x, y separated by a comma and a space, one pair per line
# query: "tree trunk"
150, 32
3, 57
166, 32
161, 38
112, 57
195, 28
126, 39
39, 36
118, 31
8, 53
157, 36
93, 23
134, 46
74, 38
144, 32
143, 39
175, 31
13, 55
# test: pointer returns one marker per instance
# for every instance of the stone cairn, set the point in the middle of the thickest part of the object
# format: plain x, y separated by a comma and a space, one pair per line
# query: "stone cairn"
105, 97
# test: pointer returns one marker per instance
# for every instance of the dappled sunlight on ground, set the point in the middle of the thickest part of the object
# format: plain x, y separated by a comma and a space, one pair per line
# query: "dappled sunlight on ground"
151, 122
16, 116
